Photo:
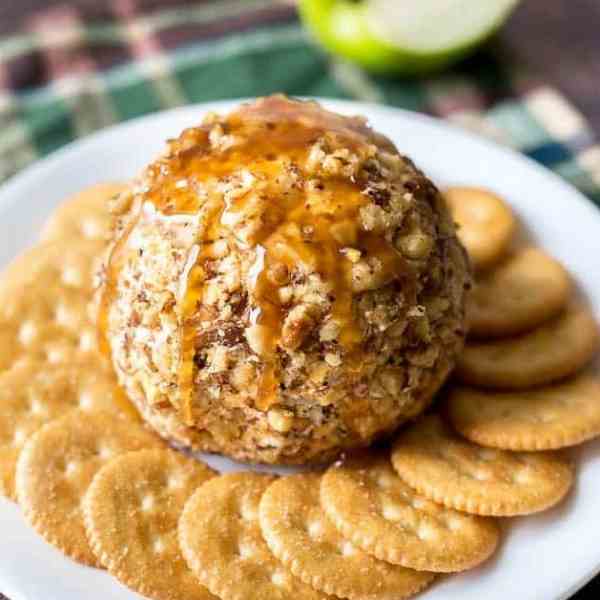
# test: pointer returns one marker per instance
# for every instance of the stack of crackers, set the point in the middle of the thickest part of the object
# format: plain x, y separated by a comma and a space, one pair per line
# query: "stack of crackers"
523, 379
378, 525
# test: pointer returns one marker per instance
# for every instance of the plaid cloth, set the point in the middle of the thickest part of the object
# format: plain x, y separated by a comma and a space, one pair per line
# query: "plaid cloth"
64, 76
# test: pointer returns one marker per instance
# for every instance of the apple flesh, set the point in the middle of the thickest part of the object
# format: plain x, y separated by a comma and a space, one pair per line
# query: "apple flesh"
357, 30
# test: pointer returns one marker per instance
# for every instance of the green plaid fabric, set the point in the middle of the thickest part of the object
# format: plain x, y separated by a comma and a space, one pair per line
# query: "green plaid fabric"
67, 74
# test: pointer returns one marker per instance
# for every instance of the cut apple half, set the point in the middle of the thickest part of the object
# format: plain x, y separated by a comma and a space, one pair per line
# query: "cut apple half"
404, 36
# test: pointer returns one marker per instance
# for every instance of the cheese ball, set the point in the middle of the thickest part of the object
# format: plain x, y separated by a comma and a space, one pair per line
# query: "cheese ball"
283, 285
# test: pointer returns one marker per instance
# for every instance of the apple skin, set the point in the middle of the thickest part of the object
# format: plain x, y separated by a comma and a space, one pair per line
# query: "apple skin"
342, 28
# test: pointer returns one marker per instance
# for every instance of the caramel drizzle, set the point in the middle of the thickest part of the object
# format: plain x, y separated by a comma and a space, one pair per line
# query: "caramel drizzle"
272, 130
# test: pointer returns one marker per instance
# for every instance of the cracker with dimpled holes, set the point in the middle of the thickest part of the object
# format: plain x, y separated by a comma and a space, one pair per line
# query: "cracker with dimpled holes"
83, 217
486, 224
134, 503
299, 534
525, 290
379, 513
221, 540
551, 352
46, 308
549, 417
454, 472
32, 395
57, 465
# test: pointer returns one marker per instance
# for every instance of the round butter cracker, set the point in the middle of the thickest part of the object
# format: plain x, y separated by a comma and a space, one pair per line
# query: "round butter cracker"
551, 352
545, 418
134, 504
299, 534
57, 465
524, 291
85, 216
46, 308
32, 395
486, 224
375, 510
461, 475
221, 540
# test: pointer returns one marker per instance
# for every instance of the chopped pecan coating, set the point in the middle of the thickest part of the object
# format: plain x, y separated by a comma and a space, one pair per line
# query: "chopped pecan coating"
283, 286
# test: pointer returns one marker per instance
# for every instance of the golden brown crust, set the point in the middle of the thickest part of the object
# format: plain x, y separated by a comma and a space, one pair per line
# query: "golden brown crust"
461, 475
374, 509
486, 224
524, 291
545, 418
301, 536
553, 351
221, 540
145, 491
57, 465
31, 396
45, 305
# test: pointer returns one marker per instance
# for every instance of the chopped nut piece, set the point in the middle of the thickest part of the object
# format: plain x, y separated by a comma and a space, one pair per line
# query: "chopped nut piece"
393, 381
315, 157
319, 373
367, 275
278, 274
352, 254
220, 249
285, 294
397, 329
373, 218
212, 293
416, 246
298, 325
298, 360
219, 140
256, 336
333, 360
280, 419
329, 331
242, 376
423, 329
219, 362
232, 280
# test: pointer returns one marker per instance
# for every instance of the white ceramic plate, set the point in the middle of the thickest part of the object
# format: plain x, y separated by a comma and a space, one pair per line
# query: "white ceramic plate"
545, 557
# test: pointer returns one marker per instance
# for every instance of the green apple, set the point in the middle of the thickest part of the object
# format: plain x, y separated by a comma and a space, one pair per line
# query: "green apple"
403, 36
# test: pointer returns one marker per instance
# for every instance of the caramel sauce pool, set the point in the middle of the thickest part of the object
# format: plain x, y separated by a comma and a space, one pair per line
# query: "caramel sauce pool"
296, 228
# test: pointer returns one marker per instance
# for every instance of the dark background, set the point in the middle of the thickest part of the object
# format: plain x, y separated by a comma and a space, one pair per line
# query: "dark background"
560, 39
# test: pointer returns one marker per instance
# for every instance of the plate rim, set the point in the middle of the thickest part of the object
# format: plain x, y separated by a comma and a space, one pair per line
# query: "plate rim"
9, 190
